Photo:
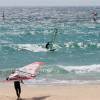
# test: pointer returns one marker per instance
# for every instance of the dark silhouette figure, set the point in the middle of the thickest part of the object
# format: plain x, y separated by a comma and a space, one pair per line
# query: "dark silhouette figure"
17, 88
3, 16
94, 16
49, 45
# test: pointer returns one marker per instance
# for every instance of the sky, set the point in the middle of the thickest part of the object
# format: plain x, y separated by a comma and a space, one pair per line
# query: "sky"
49, 2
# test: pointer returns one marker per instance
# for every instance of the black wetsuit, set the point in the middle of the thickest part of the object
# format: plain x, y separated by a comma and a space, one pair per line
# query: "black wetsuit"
94, 16
17, 88
47, 45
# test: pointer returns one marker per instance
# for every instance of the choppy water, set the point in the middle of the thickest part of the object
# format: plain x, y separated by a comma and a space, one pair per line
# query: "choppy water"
25, 31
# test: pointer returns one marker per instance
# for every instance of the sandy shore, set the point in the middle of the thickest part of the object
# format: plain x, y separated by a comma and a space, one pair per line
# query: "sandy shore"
54, 92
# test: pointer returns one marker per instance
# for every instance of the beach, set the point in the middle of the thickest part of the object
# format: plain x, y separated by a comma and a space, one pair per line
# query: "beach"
52, 92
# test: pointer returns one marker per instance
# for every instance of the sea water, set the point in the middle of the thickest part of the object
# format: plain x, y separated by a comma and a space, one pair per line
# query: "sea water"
25, 31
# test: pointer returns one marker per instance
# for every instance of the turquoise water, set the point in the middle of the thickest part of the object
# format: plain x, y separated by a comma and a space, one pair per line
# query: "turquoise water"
25, 32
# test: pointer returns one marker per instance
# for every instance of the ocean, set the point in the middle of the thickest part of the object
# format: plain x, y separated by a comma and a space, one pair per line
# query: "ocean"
25, 31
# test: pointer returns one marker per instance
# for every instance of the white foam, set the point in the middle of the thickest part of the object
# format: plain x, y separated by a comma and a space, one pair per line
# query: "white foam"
30, 47
81, 44
72, 44
97, 21
33, 47
90, 25
81, 69
61, 82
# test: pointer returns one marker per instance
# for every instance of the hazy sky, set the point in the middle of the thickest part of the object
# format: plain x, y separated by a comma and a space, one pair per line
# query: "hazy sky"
49, 2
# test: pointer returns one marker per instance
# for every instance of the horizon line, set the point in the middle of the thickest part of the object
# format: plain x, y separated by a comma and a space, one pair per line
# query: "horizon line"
54, 6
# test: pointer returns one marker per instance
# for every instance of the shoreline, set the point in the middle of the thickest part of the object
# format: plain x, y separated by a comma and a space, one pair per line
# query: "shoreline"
52, 83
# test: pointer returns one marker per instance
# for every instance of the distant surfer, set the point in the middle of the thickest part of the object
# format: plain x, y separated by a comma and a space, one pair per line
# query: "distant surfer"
55, 30
94, 15
3, 16
49, 45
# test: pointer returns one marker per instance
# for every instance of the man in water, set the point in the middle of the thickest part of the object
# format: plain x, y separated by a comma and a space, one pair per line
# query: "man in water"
3, 16
94, 16
49, 45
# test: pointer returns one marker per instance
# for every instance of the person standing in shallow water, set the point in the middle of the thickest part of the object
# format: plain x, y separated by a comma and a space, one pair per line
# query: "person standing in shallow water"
49, 46
94, 15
